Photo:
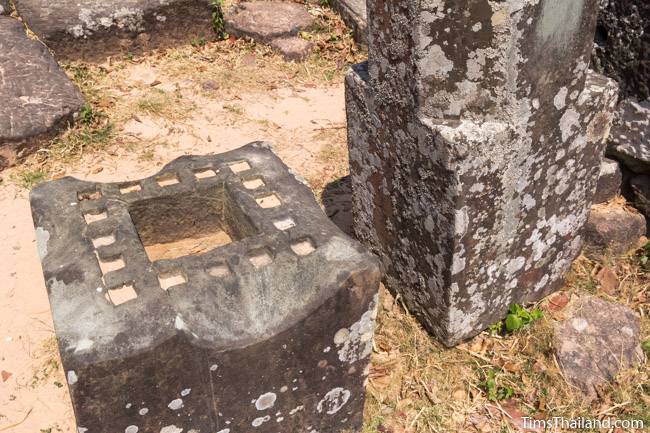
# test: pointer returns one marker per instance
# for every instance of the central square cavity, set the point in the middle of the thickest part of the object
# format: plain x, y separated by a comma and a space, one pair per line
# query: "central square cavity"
189, 224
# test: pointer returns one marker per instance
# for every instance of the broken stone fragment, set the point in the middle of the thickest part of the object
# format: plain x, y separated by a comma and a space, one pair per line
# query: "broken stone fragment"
630, 136
37, 97
218, 279
609, 181
96, 28
641, 189
622, 44
354, 14
276, 23
613, 228
4, 7
596, 341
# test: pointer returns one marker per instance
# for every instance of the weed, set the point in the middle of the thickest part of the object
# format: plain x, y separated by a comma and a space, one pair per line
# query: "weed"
76, 141
28, 178
495, 392
218, 21
646, 347
198, 42
518, 317
644, 256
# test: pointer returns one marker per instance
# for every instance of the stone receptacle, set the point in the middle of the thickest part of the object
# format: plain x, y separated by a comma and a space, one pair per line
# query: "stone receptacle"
476, 132
212, 297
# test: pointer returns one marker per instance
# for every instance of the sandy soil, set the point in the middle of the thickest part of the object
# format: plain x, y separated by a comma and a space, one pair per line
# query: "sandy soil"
33, 394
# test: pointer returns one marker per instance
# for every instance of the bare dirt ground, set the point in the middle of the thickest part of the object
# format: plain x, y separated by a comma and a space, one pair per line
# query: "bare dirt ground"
210, 97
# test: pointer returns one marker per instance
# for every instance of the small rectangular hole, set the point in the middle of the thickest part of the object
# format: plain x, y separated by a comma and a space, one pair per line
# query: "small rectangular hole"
204, 173
89, 195
104, 241
121, 295
167, 180
92, 217
260, 258
171, 279
303, 247
268, 201
219, 271
111, 265
129, 188
284, 224
239, 166
253, 183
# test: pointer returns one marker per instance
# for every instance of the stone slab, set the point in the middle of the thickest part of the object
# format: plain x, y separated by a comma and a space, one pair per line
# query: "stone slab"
630, 136
270, 331
596, 341
354, 14
622, 44
95, 28
641, 189
276, 23
37, 97
613, 229
443, 119
610, 180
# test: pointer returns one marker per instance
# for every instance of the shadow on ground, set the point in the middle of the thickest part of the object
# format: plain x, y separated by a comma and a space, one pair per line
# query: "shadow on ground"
337, 200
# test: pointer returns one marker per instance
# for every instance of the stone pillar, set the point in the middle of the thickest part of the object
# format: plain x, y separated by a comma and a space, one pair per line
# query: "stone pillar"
476, 132
213, 297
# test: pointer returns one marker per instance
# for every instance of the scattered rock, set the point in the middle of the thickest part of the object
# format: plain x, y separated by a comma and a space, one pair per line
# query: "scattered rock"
5, 375
273, 23
630, 136
597, 339
4, 7
355, 15
97, 28
608, 280
621, 45
37, 97
641, 189
609, 182
613, 228
293, 47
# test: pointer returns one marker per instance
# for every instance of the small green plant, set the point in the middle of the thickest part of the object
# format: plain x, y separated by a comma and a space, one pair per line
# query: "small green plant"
518, 318
198, 42
28, 178
644, 256
494, 391
87, 115
645, 345
218, 21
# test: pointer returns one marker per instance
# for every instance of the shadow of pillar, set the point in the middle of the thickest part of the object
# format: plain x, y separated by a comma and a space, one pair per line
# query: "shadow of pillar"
337, 200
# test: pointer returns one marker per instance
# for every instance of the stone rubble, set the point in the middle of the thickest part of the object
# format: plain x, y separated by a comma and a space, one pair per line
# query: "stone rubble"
354, 14
596, 341
613, 229
37, 97
630, 136
276, 23
609, 181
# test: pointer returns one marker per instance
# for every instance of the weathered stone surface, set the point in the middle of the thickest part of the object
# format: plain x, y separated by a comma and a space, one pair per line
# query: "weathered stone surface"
641, 189
271, 22
96, 28
268, 333
463, 104
4, 7
630, 136
622, 45
37, 97
596, 341
292, 47
354, 14
610, 180
613, 229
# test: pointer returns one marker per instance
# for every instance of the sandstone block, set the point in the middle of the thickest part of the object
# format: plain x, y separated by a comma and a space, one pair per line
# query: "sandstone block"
614, 229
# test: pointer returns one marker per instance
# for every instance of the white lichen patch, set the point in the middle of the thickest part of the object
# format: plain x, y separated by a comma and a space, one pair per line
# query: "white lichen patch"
171, 429
260, 420
131, 429
355, 343
333, 401
175, 404
72, 377
42, 238
265, 401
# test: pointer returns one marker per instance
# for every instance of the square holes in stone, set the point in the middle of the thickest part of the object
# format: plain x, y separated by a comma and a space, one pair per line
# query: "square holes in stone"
121, 295
253, 183
167, 180
303, 247
92, 194
204, 173
268, 201
111, 265
261, 257
284, 224
94, 216
219, 270
189, 224
171, 278
129, 188
239, 166
104, 241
